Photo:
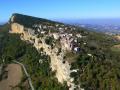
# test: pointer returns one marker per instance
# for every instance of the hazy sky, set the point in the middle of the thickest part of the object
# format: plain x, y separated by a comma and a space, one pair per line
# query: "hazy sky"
61, 8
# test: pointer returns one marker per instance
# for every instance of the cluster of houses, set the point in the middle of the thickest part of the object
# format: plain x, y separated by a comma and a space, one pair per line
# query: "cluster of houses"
43, 28
67, 40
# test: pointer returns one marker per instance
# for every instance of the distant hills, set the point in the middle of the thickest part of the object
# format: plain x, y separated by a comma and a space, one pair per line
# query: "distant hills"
108, 26
114, 21
1, 23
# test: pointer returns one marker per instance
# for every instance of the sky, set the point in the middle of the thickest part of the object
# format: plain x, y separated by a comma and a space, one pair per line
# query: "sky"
61, 9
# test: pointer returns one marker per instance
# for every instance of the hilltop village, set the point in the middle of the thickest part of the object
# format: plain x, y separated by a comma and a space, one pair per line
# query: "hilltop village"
59, 33
65, 35
55, 40
58, 56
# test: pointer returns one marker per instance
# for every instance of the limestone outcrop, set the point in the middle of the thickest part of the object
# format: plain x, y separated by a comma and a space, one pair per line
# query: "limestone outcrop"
58, 64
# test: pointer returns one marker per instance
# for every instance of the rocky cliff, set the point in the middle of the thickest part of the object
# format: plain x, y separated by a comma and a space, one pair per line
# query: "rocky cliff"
36, 31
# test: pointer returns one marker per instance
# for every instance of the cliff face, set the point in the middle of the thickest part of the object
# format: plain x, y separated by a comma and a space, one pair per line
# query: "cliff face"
58, 63
17, 28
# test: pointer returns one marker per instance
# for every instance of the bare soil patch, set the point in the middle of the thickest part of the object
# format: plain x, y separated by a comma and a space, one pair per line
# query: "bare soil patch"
14, 76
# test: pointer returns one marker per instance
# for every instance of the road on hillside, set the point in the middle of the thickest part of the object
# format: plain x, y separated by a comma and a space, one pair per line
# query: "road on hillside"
26, 73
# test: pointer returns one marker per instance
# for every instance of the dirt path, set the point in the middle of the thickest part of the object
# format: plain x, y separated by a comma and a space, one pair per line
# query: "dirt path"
14, 77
